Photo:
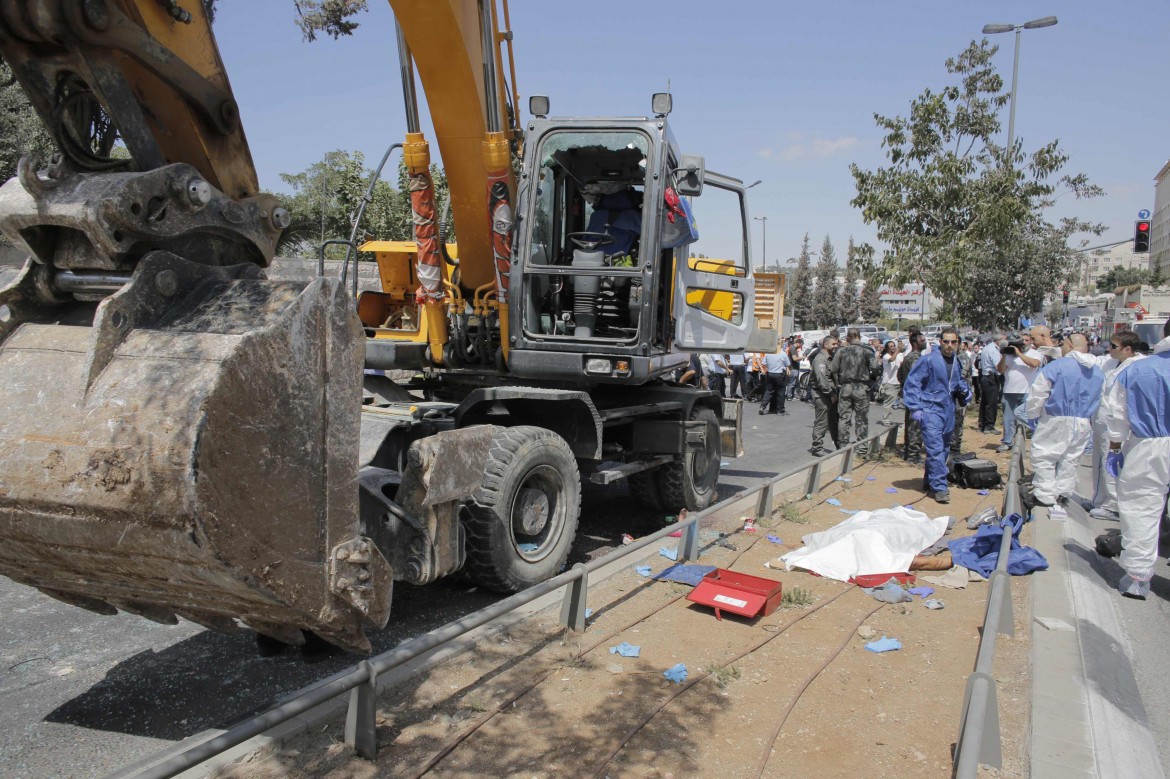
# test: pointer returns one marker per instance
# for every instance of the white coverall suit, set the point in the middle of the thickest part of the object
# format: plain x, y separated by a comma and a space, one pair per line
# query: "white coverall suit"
1138, 416
1064, 396
1104, 485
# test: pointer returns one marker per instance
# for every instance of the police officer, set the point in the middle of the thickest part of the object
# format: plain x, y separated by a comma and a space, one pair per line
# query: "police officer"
854, 367
929, 392
824, 397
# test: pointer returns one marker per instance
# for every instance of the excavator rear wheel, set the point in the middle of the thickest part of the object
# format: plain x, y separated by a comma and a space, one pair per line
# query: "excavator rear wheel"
644, 489
689, 482
522, 519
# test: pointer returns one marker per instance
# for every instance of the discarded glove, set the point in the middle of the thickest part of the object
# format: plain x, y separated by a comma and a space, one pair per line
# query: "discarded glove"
884, 644
891, 490
921, 592
934, 603
774, 539
833, 502
626, 649
1113, 463
890, 592
668, 553
643, 569
677, 673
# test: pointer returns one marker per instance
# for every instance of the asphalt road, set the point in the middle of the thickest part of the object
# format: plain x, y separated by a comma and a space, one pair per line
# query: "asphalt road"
82, 695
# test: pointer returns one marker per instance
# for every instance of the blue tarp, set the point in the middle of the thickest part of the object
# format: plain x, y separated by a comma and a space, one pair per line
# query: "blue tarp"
980, 552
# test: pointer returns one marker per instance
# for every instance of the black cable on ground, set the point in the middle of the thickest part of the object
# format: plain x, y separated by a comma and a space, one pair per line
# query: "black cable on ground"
703, 675
454, 743
812, 677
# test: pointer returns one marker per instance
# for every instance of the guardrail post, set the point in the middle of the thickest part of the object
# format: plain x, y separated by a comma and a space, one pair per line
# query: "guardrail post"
979, 695
814, 480
766, 504
892, 437
847, 461
573, 607
361, 729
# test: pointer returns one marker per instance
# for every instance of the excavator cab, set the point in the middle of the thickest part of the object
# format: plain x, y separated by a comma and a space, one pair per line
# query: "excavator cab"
607, 289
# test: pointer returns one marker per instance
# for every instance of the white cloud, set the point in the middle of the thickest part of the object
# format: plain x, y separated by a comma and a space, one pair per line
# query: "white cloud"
817, 148
766, 153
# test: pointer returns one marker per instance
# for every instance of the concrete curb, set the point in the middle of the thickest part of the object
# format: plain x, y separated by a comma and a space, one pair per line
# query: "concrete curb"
1088, 719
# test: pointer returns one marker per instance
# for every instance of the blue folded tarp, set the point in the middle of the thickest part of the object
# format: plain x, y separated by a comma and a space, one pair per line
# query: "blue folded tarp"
980, 552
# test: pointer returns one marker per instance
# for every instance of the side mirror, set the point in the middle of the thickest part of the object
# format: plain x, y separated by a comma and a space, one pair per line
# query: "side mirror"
692, 172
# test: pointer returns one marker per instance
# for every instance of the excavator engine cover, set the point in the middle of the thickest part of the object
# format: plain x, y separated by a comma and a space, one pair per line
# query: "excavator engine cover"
194, 453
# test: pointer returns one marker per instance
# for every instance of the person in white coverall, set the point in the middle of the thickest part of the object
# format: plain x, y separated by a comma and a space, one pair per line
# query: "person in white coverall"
1138, 418
1122, 349
1063, 398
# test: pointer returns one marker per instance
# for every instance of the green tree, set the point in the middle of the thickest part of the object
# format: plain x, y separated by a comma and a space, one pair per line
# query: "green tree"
1119, 276
826, 306
963, 214
800, 293
850, 300
870, 304
21, 131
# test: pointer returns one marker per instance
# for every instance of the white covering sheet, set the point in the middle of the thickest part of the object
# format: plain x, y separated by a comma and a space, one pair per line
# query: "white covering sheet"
882, 541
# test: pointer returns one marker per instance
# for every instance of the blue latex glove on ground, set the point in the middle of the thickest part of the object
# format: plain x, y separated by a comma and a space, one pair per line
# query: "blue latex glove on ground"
626, 649
676, 673
884, 644
1113, 463
917, 416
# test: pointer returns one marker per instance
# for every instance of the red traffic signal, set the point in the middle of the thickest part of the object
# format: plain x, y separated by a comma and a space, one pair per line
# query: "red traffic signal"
1141, 237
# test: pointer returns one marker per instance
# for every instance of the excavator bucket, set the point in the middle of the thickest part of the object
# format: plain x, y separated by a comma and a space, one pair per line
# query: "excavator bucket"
194, 453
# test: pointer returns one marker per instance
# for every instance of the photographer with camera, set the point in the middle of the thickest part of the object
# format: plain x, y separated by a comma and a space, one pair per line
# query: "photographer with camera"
1019, 363
930, 391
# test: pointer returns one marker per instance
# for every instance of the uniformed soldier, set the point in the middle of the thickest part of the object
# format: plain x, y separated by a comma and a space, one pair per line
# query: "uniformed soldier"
824, 397
967, 371
854, 367
913, 434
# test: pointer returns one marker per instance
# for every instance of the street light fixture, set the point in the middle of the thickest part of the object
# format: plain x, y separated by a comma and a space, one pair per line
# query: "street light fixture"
764, 247
992, 29
754, 183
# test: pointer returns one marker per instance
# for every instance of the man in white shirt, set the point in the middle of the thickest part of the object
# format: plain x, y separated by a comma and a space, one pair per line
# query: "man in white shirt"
716, 372
738, 373
1019, 362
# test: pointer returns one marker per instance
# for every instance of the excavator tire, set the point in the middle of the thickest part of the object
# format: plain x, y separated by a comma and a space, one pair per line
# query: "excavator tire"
522, 519
689, 482
644, 489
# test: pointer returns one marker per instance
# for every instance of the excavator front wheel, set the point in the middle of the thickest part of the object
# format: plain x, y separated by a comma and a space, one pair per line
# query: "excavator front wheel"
690, 481
522, 519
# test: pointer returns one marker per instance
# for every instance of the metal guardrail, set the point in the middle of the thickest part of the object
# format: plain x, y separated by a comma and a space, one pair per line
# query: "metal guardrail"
979, 739
361, 682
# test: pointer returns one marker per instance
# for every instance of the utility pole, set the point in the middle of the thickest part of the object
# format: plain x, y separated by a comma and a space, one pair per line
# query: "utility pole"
764, 246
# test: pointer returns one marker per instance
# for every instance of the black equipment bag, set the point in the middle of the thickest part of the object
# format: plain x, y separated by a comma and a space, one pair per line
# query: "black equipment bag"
977, 474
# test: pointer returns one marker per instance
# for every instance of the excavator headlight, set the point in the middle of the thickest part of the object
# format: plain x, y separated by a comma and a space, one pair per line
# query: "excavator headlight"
661, 103
598, 365
538, 106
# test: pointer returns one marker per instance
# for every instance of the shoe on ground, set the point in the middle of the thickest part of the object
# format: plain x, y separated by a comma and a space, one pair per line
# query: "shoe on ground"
1103, 513
1003, 448
916, 460
817, 452
1133, 588
942, 496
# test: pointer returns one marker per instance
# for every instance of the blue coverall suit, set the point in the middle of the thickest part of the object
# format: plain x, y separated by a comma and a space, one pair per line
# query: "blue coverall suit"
929, 389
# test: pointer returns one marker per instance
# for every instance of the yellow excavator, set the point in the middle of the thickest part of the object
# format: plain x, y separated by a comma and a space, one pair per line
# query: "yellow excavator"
181, 436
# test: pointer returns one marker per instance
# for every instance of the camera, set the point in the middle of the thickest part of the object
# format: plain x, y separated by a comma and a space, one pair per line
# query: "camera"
1013, 347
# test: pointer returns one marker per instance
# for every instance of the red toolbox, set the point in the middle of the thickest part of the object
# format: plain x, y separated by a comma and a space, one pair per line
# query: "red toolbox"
878, 579
738, 593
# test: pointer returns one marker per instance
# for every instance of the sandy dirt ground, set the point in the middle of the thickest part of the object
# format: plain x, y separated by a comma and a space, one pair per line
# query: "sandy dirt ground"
808, 700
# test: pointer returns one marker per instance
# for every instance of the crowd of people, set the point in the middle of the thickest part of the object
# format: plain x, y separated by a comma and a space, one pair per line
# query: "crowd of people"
1071, 393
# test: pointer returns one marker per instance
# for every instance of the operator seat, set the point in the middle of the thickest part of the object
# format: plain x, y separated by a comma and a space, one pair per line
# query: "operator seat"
620, 215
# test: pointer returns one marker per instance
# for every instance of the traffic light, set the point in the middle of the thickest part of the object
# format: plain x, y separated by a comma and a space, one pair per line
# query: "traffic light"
1064, 296
1141, 236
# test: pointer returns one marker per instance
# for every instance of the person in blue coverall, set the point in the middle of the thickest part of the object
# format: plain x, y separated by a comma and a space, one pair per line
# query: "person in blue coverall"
929, 394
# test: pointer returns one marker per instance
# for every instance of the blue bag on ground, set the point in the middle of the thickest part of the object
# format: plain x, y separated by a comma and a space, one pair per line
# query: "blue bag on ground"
980, 552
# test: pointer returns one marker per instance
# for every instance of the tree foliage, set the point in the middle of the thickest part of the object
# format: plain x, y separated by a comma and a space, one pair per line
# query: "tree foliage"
850, 300
870, 303
330, 17
21, 131
962, 214
1119, 276
800, 291
826, 306
325, 198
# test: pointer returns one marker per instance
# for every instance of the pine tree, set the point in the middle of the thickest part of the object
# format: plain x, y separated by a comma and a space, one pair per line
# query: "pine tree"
826, 298
800, 291
871, 302
849, 301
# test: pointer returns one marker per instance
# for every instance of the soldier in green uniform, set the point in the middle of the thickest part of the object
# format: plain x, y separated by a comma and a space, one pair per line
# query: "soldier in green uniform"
854, 367
824, 397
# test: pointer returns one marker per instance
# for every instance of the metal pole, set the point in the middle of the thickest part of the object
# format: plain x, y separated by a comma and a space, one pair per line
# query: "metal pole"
406, 66
1015, 77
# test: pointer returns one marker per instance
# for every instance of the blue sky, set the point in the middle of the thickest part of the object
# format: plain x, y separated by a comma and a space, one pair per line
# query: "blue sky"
779, 91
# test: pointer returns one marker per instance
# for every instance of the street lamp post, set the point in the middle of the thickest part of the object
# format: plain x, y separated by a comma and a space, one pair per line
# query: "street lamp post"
764, 246
992, 29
